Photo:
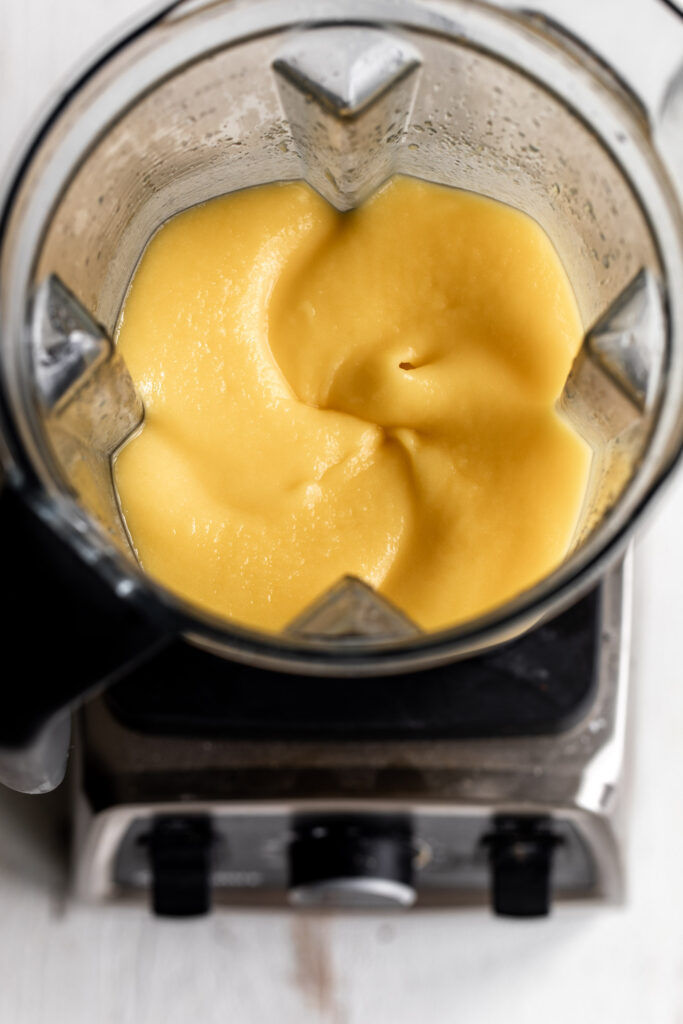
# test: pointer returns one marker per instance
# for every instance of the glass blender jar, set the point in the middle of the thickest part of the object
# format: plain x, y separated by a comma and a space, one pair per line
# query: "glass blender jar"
206, 97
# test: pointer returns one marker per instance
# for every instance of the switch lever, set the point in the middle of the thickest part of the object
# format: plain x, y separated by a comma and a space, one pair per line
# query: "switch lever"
521, 855
180, 855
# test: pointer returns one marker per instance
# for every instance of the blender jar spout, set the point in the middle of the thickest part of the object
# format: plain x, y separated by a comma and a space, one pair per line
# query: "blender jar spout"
347, 93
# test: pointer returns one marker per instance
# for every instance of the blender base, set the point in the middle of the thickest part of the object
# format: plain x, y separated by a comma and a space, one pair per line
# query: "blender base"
275, 790
539, 684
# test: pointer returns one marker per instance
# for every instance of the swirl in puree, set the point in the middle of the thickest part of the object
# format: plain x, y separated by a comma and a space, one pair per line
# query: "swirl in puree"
369, 393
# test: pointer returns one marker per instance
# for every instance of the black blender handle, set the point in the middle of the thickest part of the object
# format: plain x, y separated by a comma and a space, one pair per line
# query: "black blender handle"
64, 629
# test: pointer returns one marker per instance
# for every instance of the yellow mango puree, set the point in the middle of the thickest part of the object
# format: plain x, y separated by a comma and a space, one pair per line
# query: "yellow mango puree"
368, 393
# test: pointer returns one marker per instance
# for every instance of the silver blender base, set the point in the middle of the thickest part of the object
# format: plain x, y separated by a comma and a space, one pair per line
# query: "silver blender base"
469, 805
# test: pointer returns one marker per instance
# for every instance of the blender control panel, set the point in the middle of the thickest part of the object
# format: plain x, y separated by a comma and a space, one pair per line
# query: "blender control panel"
350, 860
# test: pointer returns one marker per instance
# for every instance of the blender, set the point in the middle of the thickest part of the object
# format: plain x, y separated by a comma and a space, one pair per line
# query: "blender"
352, 759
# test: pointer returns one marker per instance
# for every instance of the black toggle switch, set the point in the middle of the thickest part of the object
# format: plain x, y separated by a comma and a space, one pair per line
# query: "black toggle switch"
180, 856
521, 853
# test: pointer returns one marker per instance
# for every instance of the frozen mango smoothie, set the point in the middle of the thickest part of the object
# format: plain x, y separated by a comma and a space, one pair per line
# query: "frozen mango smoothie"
369, 393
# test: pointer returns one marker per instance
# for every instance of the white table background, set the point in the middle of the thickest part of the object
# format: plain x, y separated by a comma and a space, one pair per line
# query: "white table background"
86, 965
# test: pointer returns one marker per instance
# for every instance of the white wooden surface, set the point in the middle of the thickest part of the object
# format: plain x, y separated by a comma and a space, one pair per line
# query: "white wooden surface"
65, 963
